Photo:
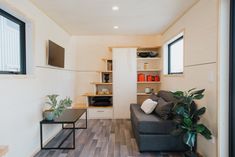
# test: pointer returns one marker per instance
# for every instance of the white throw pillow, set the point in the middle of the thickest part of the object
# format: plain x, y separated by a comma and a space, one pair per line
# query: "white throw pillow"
148, 106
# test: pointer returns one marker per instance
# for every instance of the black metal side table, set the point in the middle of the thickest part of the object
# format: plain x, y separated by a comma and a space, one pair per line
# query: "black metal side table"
69, 116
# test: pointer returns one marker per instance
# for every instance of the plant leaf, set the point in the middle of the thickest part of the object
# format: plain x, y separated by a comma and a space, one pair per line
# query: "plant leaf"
188, 122
197, 92
200, 128
206, 132
198, 96
189, 139
200, 112
191, 90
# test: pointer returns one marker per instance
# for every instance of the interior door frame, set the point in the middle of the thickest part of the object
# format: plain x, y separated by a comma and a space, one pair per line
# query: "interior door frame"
232, 81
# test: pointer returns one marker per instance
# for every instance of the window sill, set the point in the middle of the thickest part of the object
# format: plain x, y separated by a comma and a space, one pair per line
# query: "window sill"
173, 75
18, 76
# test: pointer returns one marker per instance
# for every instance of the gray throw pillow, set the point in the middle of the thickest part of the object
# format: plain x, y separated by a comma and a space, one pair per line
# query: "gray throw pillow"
164, 109
154, 97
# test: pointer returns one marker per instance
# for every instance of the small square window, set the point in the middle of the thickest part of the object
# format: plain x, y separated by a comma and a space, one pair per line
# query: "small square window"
12, 44
175, 56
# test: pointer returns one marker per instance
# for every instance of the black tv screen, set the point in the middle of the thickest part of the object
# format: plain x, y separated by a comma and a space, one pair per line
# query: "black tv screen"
55, 55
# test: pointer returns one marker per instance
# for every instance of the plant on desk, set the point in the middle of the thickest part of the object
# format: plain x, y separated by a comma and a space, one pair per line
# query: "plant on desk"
55, 107
187, 116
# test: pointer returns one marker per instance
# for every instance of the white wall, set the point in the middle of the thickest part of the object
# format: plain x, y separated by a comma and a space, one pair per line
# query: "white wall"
200, 25
22, 97
91, 49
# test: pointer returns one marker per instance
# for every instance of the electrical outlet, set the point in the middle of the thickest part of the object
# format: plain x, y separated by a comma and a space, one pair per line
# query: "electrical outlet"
213, 139
211, 76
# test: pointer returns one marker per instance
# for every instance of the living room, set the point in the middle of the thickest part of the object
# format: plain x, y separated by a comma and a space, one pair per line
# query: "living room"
93, 34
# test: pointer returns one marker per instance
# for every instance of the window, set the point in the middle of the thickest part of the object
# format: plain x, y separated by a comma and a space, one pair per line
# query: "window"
175, 56
12, 44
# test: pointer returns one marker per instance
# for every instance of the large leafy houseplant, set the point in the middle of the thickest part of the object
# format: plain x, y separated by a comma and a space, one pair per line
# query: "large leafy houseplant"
56, 107
187, 117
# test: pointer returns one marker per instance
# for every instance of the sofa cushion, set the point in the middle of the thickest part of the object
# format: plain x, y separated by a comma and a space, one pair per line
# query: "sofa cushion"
163, 109
167, 96
153, 97
148, 106
149, 124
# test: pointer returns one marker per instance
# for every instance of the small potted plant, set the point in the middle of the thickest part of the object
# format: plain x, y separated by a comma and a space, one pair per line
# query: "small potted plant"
187, 117
55, 107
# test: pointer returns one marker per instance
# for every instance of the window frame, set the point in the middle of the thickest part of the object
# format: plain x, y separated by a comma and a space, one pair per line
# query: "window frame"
22, 43
169, 55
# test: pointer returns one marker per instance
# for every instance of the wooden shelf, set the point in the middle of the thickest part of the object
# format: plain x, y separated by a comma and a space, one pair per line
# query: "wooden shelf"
92, 94
90, 106
148, 48
104, 71
148, 58
143, 94
3, 150
101, 83
150, 82
148, 70
106, 59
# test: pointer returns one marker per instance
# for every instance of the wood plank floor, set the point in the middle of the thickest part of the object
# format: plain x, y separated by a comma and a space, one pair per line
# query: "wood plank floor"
102, 138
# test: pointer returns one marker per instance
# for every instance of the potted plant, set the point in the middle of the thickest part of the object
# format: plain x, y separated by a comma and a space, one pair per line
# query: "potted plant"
187, 116
55, 107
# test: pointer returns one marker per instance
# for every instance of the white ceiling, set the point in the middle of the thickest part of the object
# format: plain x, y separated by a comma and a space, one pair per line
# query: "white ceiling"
95, 17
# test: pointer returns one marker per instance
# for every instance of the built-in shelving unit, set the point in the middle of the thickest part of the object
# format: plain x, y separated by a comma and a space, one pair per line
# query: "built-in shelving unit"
148, 67
99, 102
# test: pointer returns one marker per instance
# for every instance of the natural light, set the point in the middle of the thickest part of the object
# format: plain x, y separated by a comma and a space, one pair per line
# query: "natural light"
9, 45
176, 57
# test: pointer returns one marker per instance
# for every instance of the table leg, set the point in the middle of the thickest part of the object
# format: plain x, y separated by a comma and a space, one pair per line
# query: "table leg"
86, 120
74, 135
41, 136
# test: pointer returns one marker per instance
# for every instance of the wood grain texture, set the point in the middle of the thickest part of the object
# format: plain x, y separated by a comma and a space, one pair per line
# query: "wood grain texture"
103, 138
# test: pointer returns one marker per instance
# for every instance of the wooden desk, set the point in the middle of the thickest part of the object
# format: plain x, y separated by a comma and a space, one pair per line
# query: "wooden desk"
3, 150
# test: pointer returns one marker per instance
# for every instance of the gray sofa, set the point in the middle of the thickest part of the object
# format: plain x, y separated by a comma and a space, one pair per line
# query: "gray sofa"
153, 133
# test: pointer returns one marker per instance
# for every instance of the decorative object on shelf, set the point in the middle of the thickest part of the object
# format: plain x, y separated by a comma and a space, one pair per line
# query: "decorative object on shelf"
153, 54
105, 91
141, 77
187, 117
143, 54
55, 107
100, 101
157, 78
146, 65
106, 78
148, 90
149, 77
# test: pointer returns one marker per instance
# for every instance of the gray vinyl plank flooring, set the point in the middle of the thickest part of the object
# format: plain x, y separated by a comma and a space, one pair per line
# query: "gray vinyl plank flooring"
102, 138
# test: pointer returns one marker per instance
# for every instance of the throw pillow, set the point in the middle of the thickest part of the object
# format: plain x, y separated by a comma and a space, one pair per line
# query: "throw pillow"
148, 106
163, 110
154, 97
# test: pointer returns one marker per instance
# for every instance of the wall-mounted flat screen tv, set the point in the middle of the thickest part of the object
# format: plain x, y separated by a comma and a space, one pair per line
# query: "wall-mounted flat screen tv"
55, 55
